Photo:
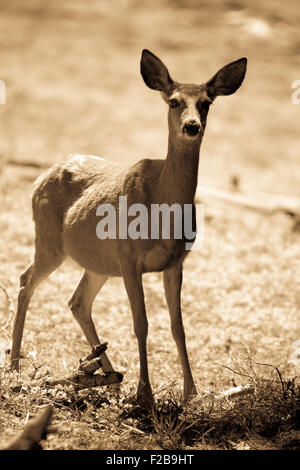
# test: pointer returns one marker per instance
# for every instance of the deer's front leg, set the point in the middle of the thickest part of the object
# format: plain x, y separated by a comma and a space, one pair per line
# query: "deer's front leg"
134, 288
172, 284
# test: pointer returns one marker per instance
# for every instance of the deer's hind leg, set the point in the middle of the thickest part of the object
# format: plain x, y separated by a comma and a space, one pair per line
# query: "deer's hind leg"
45, 262
81, 304
49, 254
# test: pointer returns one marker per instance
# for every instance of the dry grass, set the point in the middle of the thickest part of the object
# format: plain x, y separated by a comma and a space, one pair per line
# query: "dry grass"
73, 84
268, 418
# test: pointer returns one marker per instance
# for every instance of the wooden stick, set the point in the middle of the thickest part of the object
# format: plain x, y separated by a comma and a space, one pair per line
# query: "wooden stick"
35, 430
89, 367
97, 351
80, 380
84, 376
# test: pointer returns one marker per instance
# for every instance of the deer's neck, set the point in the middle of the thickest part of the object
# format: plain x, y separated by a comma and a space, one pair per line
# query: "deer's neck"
179, 175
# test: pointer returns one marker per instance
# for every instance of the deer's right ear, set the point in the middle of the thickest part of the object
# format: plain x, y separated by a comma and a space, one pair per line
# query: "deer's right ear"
155, 73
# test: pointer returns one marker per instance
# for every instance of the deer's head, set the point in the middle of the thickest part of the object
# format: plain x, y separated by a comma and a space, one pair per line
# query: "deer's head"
189, 104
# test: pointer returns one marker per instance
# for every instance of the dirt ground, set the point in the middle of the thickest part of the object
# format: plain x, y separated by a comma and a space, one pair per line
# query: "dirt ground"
72, 79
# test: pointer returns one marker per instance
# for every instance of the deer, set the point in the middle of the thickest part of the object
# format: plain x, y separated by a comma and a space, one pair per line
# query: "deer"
64, 205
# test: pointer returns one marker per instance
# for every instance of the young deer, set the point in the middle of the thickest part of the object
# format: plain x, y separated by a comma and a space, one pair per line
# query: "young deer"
64, 210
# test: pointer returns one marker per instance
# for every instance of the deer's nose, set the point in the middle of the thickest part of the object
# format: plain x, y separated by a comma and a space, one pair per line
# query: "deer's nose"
192, 128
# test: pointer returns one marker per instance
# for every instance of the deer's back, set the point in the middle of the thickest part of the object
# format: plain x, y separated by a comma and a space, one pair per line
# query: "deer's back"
67, 181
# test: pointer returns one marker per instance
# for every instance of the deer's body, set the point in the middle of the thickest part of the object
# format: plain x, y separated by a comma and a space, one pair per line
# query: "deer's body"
65, 204
69, 195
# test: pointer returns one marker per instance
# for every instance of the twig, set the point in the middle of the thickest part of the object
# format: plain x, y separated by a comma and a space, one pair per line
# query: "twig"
131, 428
238, 373
275, 368
165, 388
97, 351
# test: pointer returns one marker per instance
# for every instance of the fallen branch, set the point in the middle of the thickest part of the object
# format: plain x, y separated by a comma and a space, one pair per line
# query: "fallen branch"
34, 431
85, 377
80, 380
266, 203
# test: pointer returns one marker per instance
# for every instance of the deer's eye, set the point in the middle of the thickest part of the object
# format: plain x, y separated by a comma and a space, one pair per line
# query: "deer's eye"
174, 103
204, 105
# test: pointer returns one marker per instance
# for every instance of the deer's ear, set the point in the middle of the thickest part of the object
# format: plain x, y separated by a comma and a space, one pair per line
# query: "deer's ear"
228, 79
155, 73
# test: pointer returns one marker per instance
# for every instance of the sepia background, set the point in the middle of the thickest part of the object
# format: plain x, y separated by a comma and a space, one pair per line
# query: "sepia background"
73, 84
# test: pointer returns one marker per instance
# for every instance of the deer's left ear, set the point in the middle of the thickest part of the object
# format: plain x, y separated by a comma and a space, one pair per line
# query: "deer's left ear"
228, 79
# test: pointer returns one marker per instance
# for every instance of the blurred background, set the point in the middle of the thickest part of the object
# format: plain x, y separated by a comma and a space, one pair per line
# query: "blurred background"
73, 84
72, 79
